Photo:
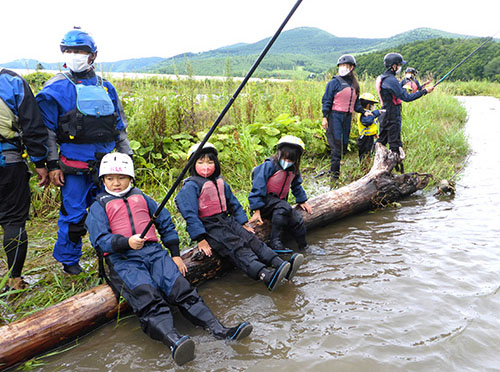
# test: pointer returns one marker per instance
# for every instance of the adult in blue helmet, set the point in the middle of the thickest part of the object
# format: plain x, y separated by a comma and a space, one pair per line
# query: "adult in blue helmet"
85, 120
340, 100
392, 94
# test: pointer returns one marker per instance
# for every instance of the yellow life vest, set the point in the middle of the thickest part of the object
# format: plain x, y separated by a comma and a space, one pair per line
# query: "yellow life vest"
370, 130
8, 121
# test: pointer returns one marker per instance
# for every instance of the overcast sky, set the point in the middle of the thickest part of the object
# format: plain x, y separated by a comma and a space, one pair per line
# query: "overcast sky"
145, 28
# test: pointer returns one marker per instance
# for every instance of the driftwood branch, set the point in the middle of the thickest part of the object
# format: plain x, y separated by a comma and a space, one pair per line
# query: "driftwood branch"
80, 314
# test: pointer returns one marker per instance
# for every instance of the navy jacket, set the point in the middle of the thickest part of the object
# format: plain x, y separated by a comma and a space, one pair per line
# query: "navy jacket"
104, 241
332, 88
260, 176
187, 203
17, 95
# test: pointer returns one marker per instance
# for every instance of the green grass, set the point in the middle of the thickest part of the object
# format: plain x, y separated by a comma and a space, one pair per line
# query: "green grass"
166, 117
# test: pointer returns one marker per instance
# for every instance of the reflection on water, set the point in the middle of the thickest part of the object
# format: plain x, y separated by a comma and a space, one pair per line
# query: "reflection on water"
407, 289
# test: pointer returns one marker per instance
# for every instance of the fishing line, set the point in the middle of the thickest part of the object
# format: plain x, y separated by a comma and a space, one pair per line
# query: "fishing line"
466, 58
218, 120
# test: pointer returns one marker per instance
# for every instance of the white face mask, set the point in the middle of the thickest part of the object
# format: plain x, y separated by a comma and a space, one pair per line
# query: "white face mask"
399, 69
121, 193
343, 71
77, 62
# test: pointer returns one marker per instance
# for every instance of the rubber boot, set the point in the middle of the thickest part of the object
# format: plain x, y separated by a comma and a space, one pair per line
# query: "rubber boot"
72, 269
182, 347
199, 313
272, 278
276, 245
295, 261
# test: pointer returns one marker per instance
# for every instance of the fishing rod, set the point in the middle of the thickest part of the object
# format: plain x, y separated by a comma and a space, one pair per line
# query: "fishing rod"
465, 59
219, 118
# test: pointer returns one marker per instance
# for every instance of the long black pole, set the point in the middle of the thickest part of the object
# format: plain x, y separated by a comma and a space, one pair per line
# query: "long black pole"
219, 118
463, 60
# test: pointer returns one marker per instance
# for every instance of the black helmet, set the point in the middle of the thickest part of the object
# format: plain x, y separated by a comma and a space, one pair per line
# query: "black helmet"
393, 59
411, 70
346, 58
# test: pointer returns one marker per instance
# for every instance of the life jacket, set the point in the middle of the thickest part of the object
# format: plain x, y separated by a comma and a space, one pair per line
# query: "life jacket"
94, 118
345, 99
212, 199
370, 130
8, 122
279, 183
411, 86
127, 215
395, 101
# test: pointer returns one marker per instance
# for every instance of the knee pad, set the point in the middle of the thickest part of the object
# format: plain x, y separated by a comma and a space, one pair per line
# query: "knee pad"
77, 230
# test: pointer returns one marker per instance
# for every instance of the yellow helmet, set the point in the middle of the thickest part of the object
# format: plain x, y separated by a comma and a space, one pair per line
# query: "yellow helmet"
291, 140
368, 97
206, 147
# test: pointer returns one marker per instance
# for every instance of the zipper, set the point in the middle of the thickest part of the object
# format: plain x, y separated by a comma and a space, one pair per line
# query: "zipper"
283, 186
131, 219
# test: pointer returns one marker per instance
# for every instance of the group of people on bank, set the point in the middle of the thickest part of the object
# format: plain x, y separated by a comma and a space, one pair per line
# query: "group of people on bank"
342, 97
75, 132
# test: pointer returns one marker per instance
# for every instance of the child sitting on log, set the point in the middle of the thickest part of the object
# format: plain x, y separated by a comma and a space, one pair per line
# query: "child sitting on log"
140, 269
217, 221
271, 183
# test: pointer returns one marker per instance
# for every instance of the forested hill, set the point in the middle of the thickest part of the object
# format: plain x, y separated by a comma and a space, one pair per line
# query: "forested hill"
310, 52
297, 53
438, 56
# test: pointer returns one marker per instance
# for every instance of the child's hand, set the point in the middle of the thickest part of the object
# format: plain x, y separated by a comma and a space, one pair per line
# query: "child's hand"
306, 207
256, 218
368, 113
205, 248
180, 264
249, 228
136, 242
324, 124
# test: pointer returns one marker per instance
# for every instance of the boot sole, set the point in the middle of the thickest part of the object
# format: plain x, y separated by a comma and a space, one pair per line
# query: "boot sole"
243, 331
279, 275
295, 262
183, 351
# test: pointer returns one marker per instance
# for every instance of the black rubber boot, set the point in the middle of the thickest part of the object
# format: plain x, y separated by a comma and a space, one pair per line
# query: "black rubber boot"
274, 277
182, 347
72, 269
276, 245
295, 261
237, 333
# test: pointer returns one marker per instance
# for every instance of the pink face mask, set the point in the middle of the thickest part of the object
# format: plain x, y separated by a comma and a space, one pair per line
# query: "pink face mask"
205, 170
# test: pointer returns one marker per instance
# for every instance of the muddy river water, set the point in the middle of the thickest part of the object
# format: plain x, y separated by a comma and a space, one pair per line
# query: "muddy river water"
414, 288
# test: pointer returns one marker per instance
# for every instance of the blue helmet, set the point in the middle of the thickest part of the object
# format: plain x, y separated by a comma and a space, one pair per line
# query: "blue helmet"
77, 38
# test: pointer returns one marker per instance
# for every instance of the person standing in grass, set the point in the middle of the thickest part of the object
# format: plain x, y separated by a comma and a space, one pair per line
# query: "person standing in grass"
217, 221
21, 129
85, 119
410, 81
140, 269
340, 100
367, 126
391, 95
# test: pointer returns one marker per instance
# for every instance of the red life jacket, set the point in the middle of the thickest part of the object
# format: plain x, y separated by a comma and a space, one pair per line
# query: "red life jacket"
128, 215
212, 199
411, 86
378, 84
279, 183
345, 99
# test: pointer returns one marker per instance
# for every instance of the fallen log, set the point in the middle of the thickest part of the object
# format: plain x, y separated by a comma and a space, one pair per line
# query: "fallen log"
80, 314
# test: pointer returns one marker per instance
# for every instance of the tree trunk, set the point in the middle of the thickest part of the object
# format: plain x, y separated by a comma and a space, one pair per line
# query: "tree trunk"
79, 314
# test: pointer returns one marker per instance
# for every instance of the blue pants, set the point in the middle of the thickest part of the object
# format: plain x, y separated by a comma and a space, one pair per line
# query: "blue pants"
77, 194
150, 266
337, 134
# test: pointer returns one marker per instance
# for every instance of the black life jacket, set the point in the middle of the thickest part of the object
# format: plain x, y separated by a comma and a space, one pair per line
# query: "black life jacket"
94, 118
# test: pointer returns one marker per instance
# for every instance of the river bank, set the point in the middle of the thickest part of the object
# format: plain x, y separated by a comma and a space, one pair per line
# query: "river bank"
407, 288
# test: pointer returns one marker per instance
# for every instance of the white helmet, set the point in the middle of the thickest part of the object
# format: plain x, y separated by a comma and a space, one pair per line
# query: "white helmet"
116, 163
